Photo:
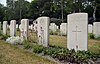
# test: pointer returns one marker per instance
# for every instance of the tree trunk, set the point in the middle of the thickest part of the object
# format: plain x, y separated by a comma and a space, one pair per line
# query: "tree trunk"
94, 12
62, 10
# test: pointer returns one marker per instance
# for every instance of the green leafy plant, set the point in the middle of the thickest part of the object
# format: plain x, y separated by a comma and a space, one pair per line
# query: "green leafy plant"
18, 29
26, 44
54, 33
38, 48
91, 36
4, 37
97, 38
63, 54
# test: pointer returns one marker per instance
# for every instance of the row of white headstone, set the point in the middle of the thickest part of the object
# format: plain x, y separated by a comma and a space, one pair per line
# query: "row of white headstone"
42, 29
13, 27
77, 31
77, 36
64, 28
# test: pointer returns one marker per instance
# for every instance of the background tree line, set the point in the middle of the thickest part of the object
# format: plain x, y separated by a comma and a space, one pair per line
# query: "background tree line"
52, 8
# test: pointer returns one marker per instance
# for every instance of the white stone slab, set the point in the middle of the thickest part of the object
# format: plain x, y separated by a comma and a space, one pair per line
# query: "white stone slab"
43, 30
77, 31
53, 27
20, 27
16, 26
13, 28
35, 26
96, 29
63, 28
8, 26
31, 26
90, 28
4, 27
24, 28
57, 27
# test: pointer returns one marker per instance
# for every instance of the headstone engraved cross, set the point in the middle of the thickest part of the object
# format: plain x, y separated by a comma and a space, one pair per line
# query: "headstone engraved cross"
76, 31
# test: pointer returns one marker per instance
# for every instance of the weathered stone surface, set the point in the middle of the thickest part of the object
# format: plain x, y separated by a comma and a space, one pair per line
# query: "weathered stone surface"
53, 27
24, 28
96, 29
13, 28
63, 28
90, 28
43, 30
77, 31
4, 27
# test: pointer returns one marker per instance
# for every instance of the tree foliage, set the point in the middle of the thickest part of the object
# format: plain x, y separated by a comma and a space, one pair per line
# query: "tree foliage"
52, 8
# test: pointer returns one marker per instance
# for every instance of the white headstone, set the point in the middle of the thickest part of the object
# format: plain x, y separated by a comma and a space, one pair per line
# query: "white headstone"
13, 28
20, 27
77, 31
5, 27
31, 26
63, 28
96, 29
16, 26
35, 26
8, 26
90, 28
57, 27
24, 28
53, 27
43, 30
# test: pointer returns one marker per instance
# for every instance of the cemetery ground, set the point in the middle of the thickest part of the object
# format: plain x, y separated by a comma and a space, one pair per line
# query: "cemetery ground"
20, 55
10, 54
61, 41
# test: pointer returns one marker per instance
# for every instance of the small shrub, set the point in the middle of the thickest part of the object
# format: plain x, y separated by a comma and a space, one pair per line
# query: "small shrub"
51, 32
26, 44
0, 34
4, 37
54, 33
38, 48
18, 29
91, 36
66, 55
97, 38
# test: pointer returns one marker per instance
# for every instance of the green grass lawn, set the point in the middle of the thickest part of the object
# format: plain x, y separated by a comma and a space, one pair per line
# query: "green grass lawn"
10, 54
13, 55
93, 45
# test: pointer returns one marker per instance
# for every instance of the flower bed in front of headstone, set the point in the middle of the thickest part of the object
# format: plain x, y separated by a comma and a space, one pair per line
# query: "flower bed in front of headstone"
56, 52
63, 54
